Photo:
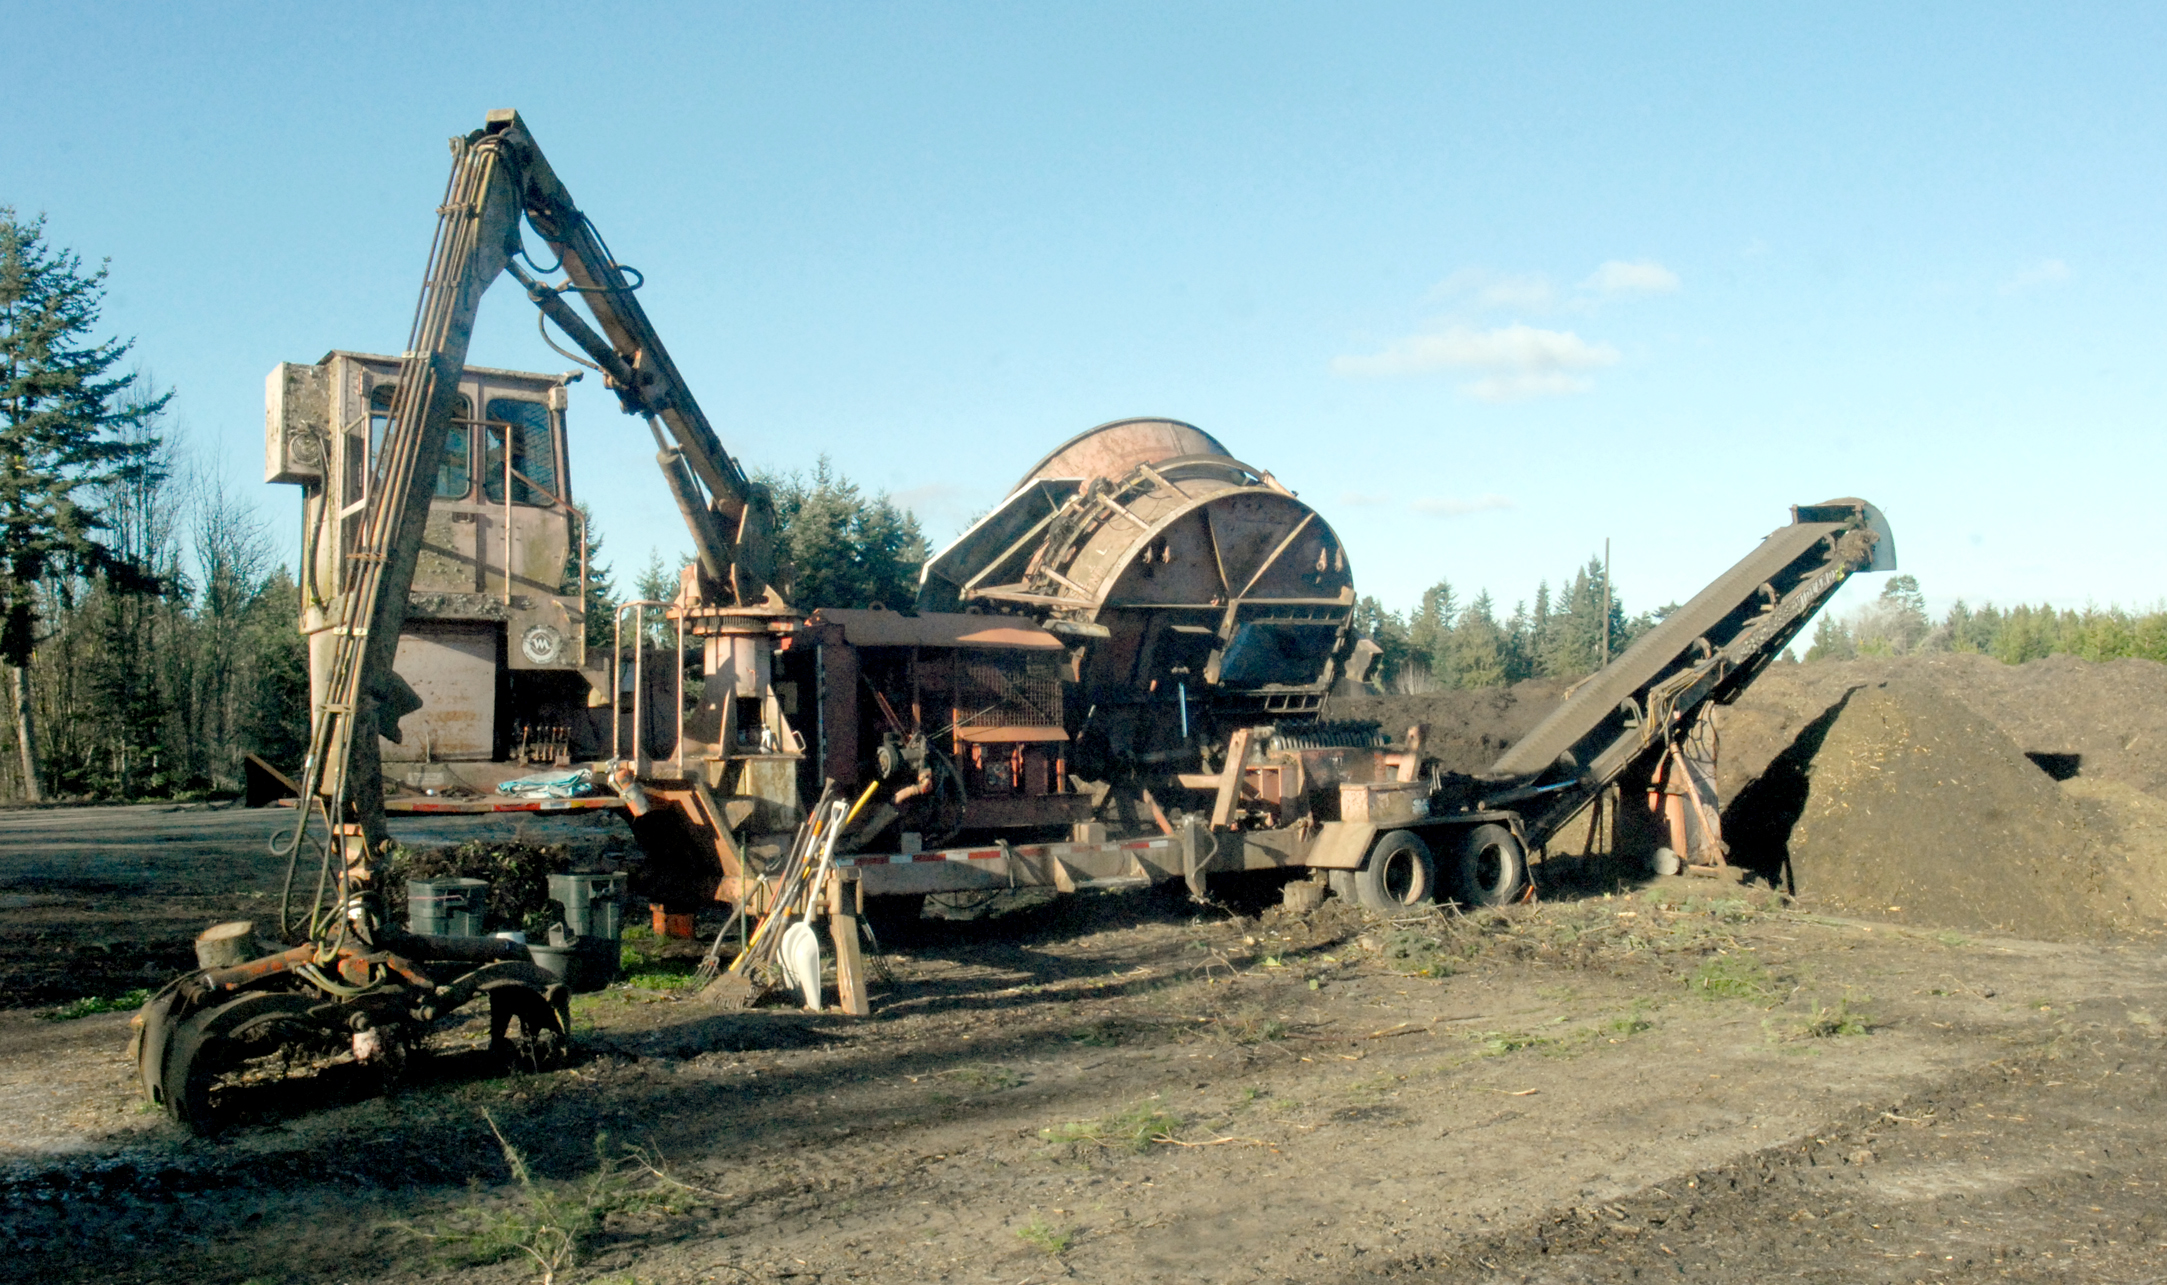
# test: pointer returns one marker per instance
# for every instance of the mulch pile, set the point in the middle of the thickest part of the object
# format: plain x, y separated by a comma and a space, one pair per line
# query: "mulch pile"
1957, 791
1945, 791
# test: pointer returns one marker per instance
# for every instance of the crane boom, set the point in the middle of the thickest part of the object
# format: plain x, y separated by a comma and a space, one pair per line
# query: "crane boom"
499, 175
632, 356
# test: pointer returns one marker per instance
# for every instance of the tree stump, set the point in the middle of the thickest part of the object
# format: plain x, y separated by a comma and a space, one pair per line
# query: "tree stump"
224, 945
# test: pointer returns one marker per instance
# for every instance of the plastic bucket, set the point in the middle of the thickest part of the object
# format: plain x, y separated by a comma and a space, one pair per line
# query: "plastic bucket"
585, 965
593, 904
447, 907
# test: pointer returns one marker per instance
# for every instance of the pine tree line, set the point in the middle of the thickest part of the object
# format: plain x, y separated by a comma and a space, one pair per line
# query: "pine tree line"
1897, 624
1441, 644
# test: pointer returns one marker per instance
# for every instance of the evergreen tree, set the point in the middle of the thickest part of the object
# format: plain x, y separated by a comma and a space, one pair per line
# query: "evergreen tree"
64, 420
1570, 640
1389, 632
271, 694
844, 548
1478, 646
1831, 641
1429, 633
659, 581
599, 602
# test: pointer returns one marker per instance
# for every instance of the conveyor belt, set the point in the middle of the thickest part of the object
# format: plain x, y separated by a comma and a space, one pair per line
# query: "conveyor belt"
1710, 647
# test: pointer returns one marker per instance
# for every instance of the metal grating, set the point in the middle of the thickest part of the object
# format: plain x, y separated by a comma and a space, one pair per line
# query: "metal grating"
1008, 689
1361, 735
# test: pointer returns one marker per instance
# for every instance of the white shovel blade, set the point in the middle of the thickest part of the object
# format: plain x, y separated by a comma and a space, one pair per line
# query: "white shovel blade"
800, 956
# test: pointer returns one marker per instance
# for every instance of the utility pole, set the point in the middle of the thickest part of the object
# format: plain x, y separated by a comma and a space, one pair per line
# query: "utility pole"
1606, 602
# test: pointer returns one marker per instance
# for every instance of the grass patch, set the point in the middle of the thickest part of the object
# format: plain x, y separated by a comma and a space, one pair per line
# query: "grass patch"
92, 1004
1376, 1088
1047, 1238
1629, 1023
1413, 953
1830, 1022
984, 1078
1500, 1043
662, 981
1252, 1026
1735, 975
1134, 1129
1100, 1035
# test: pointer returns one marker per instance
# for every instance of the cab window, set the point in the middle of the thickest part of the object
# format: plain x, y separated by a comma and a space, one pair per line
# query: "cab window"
454, 477
534, 452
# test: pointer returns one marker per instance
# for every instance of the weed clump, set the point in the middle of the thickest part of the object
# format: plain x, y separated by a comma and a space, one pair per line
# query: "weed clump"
1048, 1238
1830, 1022
1134, 1129
1097, 1035
553, 1224
89, 1005
984, 1078
1735, 975
1412, 953
1500, 1043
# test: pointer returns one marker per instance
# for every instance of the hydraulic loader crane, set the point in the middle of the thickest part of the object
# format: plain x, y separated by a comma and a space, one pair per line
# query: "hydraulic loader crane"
350, 975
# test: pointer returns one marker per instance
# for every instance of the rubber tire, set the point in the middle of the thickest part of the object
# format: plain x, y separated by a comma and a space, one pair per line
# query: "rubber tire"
1399, 876
544, 1030
1492, 867
209, 1043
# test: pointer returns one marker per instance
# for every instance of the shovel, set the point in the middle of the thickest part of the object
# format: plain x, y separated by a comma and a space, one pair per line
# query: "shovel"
800, 960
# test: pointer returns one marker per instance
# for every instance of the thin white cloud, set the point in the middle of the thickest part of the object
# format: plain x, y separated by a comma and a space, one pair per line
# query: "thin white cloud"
1360, 500
1618, 277
1516, 362
2046, 272
1455, 508
1486, 289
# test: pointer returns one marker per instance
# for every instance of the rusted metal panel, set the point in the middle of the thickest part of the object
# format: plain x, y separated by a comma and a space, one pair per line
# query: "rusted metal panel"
837, 706
868, 628
1009, 735
296, 423
1340, 845
453, 668
1385, 802
1026, 810
1112, 450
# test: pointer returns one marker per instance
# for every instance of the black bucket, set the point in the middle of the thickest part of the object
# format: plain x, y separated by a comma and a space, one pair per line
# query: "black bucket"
583, 964
446, 907
593, 904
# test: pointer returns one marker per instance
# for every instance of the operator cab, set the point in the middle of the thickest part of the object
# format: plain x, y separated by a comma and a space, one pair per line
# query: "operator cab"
494, 641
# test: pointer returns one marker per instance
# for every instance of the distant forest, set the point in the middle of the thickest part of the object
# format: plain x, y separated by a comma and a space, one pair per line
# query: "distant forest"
1441, 643
1896, 624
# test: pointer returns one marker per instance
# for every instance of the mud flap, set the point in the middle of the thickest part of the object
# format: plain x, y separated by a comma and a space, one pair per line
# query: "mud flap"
1195, 856
152, 1038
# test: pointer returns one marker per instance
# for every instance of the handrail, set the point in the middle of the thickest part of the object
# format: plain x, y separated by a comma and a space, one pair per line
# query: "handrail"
641, 765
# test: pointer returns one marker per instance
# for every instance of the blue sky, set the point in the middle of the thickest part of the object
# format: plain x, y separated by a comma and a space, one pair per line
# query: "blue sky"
1486, 285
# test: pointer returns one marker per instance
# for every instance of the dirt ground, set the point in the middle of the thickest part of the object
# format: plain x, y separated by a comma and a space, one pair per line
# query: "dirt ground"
1686, 1078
